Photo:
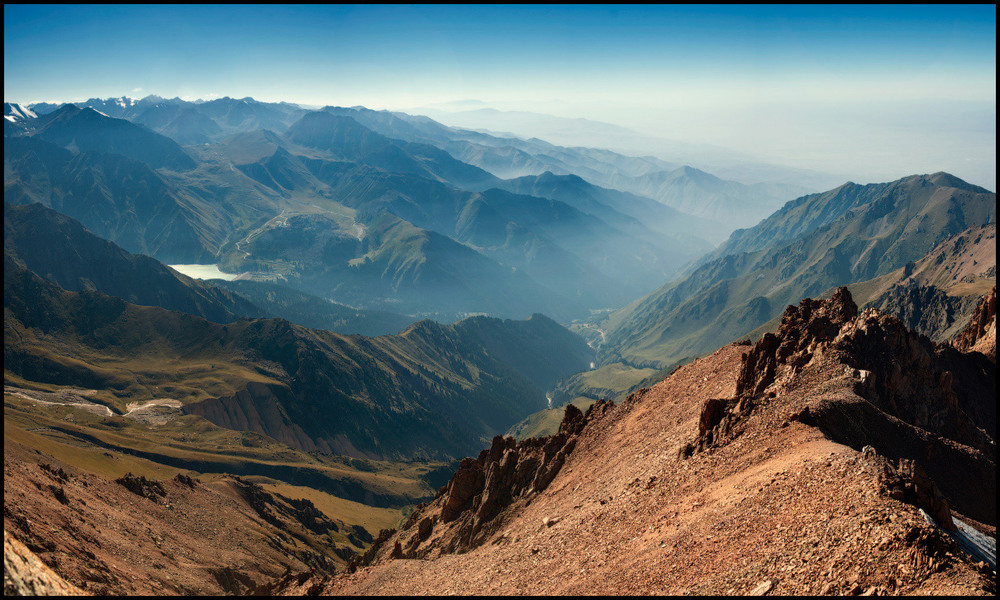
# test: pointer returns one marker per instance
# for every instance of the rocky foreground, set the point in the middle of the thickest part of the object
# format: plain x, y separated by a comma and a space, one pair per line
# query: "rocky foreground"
69, 532
842, 454
804, 464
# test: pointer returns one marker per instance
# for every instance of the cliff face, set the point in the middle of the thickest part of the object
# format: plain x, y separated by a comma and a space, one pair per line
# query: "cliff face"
981, 333
936, 295
926, 309
904, 374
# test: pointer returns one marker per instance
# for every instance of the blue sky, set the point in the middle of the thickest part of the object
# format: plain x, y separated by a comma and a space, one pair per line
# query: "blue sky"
633, 65
318, 54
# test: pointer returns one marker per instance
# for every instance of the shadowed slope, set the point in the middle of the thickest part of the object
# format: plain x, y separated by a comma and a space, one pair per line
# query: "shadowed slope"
433, 390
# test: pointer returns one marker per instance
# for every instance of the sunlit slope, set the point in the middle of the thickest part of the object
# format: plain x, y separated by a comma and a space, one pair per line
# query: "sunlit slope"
732, 295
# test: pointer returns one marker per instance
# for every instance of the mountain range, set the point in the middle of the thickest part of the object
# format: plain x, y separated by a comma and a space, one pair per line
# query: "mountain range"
401, 293
451, 233
61, 250
504, 156
847, 235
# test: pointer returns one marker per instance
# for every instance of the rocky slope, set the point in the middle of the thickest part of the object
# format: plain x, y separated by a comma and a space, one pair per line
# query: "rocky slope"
796, 466
24, 574
77, 531
936, 295
912, 394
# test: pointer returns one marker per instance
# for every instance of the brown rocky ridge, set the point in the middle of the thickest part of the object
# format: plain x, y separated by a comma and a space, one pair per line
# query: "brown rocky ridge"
804, 464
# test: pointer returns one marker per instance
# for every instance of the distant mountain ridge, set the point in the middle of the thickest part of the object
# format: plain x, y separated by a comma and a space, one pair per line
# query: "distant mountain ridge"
432, 390
631, 213
60, 249
348, 140
692, 191
704, 195
811, 212
86, 129
870, 231
328, 168
120, 199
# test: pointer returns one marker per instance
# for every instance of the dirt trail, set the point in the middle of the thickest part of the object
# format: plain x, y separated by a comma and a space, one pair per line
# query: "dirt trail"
157, 411
72, 398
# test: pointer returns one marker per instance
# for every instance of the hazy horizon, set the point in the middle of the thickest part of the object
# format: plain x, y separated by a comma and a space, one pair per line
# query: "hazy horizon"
867, 92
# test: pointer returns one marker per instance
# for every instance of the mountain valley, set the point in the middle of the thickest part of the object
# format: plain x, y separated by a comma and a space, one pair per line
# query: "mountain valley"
240, 200
447, 360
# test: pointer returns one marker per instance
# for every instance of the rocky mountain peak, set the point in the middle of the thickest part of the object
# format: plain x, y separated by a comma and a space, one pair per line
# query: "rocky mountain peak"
900, 372
803, 329
911, 378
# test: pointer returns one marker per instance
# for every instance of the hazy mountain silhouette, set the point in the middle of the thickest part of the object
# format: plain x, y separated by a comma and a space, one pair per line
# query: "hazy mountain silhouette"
62, 250
85, 129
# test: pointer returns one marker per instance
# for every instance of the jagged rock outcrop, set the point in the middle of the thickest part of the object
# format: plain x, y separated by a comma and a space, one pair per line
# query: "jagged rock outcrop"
482, 491
981, 333
141, 486
900, 372
910, 378
803, 331
888, 387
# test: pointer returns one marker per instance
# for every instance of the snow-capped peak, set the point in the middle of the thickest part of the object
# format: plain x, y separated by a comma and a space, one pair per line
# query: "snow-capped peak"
17, 112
